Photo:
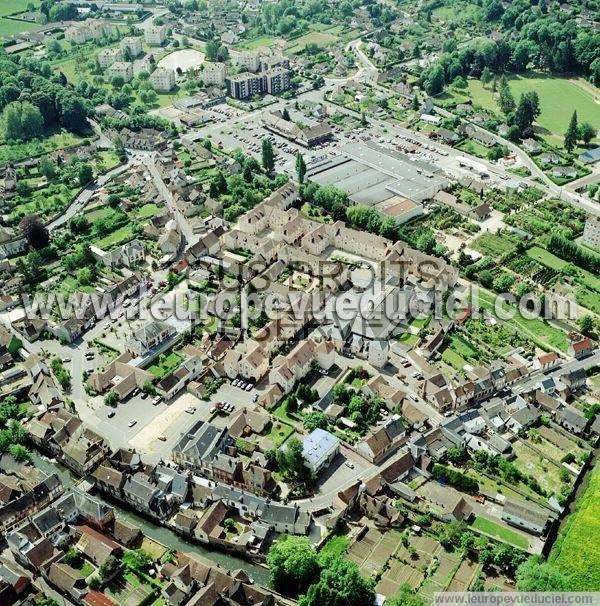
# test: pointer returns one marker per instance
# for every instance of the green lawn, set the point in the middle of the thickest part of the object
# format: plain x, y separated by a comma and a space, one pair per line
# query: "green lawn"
408, 339
546, 258
279, 433
500, 532
256, 42
165, 364
123, 234
9, 27
323, 39
453, 358
577, 550
558, 98
472, 147
148, 210
337, 545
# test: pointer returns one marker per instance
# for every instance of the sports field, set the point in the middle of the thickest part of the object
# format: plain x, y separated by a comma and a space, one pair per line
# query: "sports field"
558, 98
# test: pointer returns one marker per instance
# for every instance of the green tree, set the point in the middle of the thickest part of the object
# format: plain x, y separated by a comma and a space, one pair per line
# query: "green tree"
536, 575
137, 560
111, 398
46, 168
586, 132
268, 156
486, 75
85, 173
293, 565
291, 462
434, 80
406, 596
506, 101
300, 167
19, 452
586, 324
527, 111
340, 583
314, 420
109, 568
211, 49
572, 133
35, 232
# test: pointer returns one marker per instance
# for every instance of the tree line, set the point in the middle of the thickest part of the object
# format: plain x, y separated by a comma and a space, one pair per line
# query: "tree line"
548, 41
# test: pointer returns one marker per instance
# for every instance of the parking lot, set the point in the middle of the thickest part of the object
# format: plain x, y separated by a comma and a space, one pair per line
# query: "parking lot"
158, 427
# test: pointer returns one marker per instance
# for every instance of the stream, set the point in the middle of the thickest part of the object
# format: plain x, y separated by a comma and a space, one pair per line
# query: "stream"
161, 534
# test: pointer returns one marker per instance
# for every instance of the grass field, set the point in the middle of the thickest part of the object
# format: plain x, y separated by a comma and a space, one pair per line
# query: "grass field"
9, 27
501, 532
556, 95
323, 39
577, 550
546, 258
257, 42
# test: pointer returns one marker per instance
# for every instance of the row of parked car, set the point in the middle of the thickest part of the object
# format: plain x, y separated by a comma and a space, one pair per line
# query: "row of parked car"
242, 384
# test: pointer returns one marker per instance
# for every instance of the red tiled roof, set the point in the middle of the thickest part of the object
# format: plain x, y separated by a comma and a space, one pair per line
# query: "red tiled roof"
99, 536
95, 598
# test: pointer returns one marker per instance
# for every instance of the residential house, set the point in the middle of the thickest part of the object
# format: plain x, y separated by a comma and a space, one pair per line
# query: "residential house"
149, 336
319, 449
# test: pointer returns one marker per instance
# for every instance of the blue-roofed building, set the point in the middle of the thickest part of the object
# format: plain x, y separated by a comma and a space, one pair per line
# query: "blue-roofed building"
320, 448
590, 156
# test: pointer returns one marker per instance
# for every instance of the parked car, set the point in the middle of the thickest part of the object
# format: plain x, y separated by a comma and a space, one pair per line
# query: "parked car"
156, 400
131, 423
111, 414
249, 387
162, 438
190, 410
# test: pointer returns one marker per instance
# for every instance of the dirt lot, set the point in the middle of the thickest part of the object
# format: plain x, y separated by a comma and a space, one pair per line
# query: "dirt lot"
373, 550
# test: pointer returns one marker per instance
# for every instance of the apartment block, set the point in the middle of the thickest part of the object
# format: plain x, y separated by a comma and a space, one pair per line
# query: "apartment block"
276, 80
162, 80
122, 69
155, 35
214, 73
133, 45
244, 86
108, 56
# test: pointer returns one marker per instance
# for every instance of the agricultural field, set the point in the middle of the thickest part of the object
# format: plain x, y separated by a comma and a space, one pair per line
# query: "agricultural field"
495, 245
539, 331
577, 550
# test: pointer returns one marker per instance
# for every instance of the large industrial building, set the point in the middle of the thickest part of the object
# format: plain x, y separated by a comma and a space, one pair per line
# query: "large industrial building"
381, 178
